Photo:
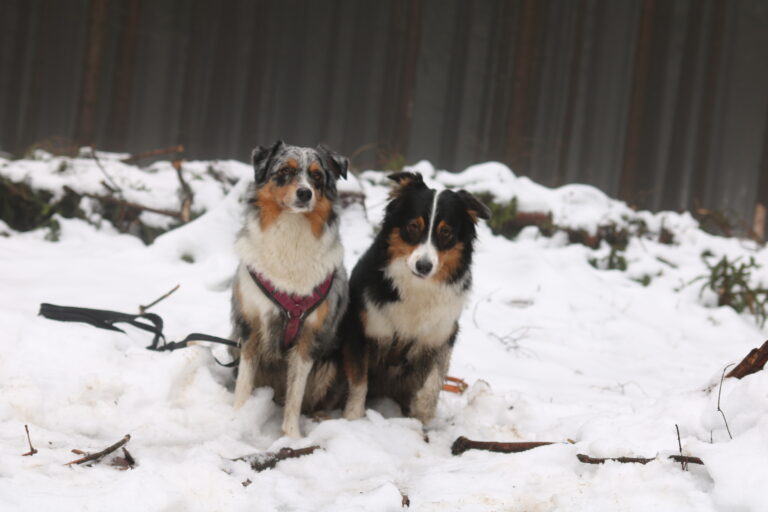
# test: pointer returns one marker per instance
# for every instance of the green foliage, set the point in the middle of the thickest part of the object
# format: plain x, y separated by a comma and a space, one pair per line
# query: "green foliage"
393, 162
645, 280
508, 222
23, 208
614, 261
731, 282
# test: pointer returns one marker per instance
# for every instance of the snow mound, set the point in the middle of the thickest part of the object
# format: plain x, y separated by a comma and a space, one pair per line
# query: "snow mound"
554, 349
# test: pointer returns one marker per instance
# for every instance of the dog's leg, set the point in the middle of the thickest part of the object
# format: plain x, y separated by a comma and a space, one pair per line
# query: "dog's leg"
356, 370
298, 371
424, 402
245, 379
355, 406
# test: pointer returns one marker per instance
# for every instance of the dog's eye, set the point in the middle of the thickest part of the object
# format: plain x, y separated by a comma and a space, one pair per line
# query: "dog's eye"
414, 229
445, 235
316, 176
285, 172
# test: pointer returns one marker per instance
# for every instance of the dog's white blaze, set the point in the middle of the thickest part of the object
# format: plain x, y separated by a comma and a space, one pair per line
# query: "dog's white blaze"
293, 200
426, 313
427, 249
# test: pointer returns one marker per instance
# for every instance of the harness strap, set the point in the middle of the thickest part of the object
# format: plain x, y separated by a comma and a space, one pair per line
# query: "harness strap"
294, 308
105, 319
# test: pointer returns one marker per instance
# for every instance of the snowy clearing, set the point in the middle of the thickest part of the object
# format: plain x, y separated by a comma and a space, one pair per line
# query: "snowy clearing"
553, 348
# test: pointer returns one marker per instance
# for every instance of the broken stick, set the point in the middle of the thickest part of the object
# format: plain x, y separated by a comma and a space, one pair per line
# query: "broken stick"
106, 451
586, 459
32, 450
752, 363
143, 309
154, 152
462, 444
268, 460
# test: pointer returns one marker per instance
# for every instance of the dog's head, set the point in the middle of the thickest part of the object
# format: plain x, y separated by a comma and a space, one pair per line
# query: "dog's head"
433, 230
297, 179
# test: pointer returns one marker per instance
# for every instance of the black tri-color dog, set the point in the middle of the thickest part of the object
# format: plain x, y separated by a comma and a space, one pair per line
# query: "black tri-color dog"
406, 295
290, 289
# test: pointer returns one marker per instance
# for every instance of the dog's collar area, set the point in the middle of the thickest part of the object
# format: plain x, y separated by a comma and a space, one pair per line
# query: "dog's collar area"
296, 308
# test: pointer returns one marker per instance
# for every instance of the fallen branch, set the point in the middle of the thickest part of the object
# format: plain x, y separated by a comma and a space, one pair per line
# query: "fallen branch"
106, 451
462, 444
143, 309
126, 204
752, 363
586, 459
154, 152
268, 460
32, 450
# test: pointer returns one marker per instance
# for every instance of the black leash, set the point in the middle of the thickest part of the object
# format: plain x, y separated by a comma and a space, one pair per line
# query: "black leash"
105, 319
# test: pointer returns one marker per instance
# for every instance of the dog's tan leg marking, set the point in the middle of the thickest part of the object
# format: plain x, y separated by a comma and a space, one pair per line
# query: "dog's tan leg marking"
356, 370
298, 371
355, 406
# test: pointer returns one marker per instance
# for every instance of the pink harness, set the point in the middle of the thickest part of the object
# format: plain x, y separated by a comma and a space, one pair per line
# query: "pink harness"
295, 308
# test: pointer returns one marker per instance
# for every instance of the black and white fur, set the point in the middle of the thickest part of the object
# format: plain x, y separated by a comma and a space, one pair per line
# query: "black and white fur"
406, 295
291, 236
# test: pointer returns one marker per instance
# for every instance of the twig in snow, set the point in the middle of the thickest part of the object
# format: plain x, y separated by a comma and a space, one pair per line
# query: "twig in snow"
474, 310
187, 195
719, 393
32, 449
154, 152
687, 459
112, 185
683, 464
462, 444
752, 363
125, 462
122, 202
143, 309
406, 502
106, 451
268, 460
586, 459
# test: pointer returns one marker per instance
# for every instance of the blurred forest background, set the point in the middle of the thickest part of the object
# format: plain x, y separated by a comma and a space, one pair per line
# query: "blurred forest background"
663, 103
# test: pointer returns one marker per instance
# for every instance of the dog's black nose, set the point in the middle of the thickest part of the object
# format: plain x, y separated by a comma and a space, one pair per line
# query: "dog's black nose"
423, 267
304, 194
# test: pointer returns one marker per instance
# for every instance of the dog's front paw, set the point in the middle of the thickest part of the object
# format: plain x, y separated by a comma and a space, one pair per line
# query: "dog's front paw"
291, 429
354, 412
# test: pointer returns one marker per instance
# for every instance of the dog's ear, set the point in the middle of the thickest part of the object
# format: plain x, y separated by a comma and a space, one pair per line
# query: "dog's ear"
336, 163
475, 207
261, 157
404, 180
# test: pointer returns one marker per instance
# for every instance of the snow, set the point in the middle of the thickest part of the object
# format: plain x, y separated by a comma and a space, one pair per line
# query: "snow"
554, 350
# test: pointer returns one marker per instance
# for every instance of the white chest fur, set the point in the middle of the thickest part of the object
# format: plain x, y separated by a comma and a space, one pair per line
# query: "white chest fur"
288, 254
426, 313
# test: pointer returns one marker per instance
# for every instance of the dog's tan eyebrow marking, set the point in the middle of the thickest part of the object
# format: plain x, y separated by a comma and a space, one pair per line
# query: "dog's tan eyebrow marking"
314, 166
291, 162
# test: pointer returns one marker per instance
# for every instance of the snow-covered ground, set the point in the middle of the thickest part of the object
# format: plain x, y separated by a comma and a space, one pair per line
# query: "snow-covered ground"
554, 350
